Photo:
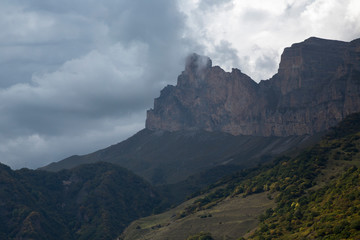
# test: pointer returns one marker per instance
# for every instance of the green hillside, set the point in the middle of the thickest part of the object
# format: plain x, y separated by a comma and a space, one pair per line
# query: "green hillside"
229, 219
94, 201
316, 196
312, 195
331, 208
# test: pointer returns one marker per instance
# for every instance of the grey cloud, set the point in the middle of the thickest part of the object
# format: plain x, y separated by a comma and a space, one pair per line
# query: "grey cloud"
91, 87
252, 16
39, 41
69, 29
267, 64
226, 55
83, 75
266, 60
206, 4
35, 149
294, 9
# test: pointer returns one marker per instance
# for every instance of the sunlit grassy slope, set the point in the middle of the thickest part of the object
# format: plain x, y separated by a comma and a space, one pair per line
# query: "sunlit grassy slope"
231, 218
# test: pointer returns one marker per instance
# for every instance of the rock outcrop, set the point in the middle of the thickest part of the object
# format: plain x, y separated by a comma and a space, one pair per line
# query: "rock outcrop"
317, 85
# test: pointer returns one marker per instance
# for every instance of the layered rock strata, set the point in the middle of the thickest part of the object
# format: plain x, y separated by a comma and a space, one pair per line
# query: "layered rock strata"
317, 85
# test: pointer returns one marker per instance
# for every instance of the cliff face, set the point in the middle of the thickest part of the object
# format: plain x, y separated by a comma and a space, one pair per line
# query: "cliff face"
317, 85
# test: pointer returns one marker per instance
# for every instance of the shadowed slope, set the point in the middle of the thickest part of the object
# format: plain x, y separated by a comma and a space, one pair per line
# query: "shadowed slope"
94, 201
169, 157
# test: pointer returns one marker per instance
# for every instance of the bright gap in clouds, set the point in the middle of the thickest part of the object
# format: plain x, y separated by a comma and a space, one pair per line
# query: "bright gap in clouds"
251, 35
78, 77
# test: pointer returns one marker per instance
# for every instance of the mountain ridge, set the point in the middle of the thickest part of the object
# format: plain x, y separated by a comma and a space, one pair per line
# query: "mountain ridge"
238, 120
316, 87
164, 157
97, 201
93, 201
312, 195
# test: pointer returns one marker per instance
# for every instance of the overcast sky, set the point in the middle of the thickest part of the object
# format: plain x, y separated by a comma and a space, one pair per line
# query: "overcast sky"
78, 75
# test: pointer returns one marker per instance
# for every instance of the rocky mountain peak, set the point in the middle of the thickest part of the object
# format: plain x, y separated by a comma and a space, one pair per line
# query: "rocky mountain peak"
310, 62
317, 85
196, 68
196, 63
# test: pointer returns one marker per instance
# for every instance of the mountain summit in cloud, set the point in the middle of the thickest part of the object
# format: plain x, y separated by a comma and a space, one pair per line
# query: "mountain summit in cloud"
317, 85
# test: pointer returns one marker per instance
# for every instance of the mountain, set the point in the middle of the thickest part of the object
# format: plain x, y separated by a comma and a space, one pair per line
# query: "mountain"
213, 118
313, 195
317, 85
200, 132
94, 201
164, 157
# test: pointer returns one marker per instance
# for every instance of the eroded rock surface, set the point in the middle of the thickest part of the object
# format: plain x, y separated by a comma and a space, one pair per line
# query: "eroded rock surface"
317, 85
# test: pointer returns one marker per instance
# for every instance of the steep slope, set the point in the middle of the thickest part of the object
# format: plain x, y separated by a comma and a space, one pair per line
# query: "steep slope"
169, 157
228, 220
20, 215
94, 201
331, 208
317, 85
316, 195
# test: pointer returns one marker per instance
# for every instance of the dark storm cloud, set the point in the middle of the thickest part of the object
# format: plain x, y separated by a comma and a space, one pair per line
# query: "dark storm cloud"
108, 83
75, 68
35, 41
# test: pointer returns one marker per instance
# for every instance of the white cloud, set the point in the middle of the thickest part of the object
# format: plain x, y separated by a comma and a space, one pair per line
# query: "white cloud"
260, 30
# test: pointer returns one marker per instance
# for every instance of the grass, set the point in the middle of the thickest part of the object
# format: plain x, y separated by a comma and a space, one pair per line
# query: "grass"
330, 208
335, 166
229, 219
